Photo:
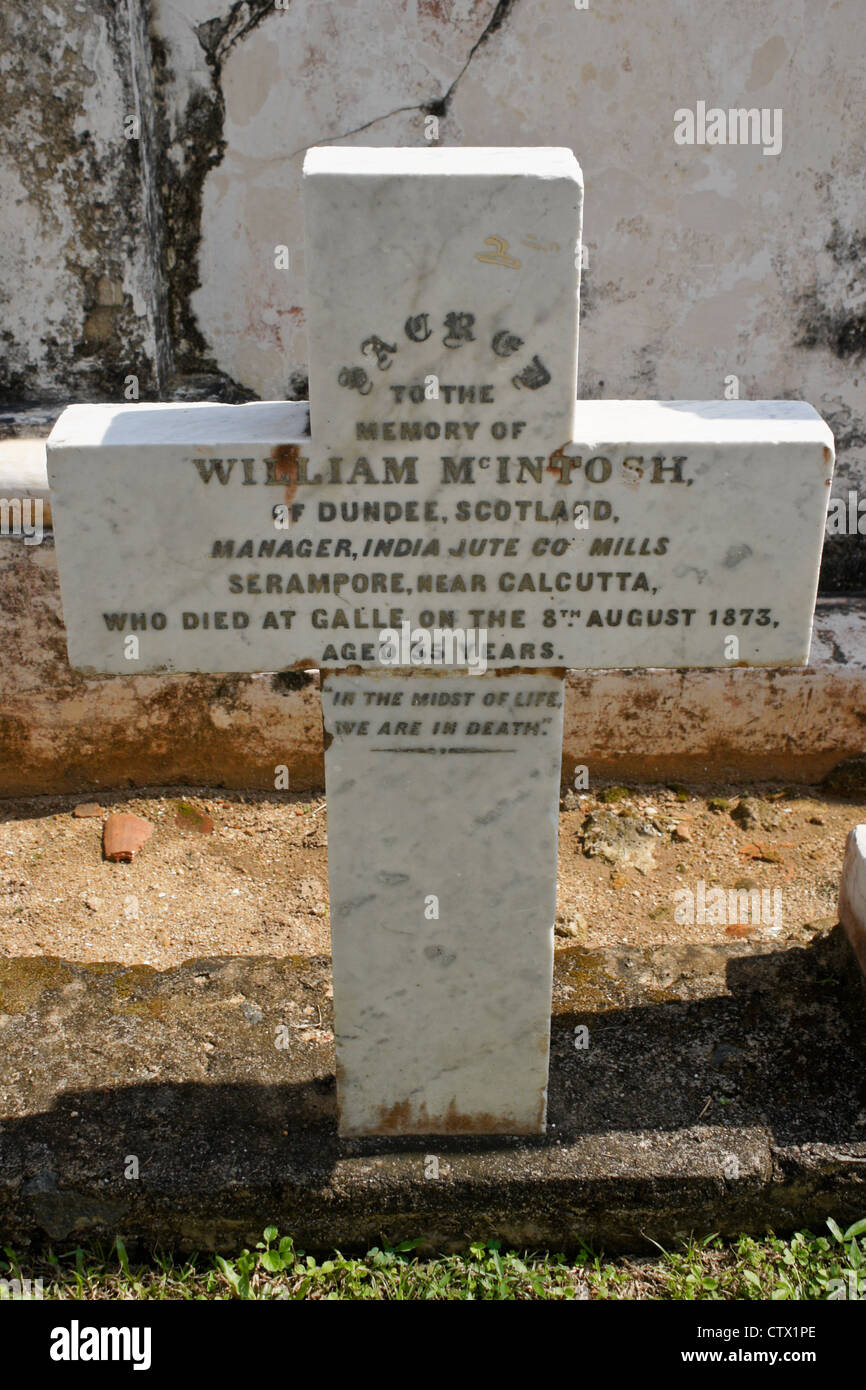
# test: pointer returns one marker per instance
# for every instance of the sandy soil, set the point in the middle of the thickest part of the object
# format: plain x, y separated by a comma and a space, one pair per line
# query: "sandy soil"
254, 882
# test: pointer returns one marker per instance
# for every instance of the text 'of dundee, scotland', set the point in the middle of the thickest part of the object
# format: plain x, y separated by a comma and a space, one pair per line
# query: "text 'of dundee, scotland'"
442, 533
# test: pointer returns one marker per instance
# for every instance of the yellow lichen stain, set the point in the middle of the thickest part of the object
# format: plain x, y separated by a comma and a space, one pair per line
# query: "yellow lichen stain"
157, 1007
23, 981
133, 980
582, 973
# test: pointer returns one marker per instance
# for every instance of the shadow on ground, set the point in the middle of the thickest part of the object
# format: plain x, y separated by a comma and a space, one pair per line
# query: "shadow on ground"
723, 1088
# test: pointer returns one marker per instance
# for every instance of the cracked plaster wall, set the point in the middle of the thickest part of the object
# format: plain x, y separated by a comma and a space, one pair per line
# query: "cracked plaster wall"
703, 262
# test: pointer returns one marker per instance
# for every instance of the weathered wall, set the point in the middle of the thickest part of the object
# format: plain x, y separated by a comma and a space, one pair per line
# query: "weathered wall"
705, 262
77, 303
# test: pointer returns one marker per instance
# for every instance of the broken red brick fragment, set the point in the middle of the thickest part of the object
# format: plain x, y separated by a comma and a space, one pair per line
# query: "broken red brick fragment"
123, 836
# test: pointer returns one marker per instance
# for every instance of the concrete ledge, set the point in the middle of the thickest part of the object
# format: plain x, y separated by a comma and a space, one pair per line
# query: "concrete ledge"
23, 472
62, 733
747, 724
722, 1090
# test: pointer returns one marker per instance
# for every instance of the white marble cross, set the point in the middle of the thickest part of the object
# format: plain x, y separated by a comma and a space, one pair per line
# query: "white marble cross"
454, 533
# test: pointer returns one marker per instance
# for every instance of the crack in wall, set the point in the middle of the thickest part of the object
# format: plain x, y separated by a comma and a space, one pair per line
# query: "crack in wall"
439, 106
200, 135
218, 36
502, 13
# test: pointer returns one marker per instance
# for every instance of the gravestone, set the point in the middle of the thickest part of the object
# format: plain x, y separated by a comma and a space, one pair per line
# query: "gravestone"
451, 535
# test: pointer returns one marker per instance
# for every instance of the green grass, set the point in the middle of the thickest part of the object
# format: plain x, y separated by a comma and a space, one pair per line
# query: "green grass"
804, 1267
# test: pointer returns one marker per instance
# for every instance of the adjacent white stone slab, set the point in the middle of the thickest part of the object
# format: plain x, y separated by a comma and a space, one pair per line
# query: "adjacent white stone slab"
442, 787
703, 520
852, 892
22, 470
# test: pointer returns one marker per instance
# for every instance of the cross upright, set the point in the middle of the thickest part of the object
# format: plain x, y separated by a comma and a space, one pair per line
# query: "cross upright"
451, 535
